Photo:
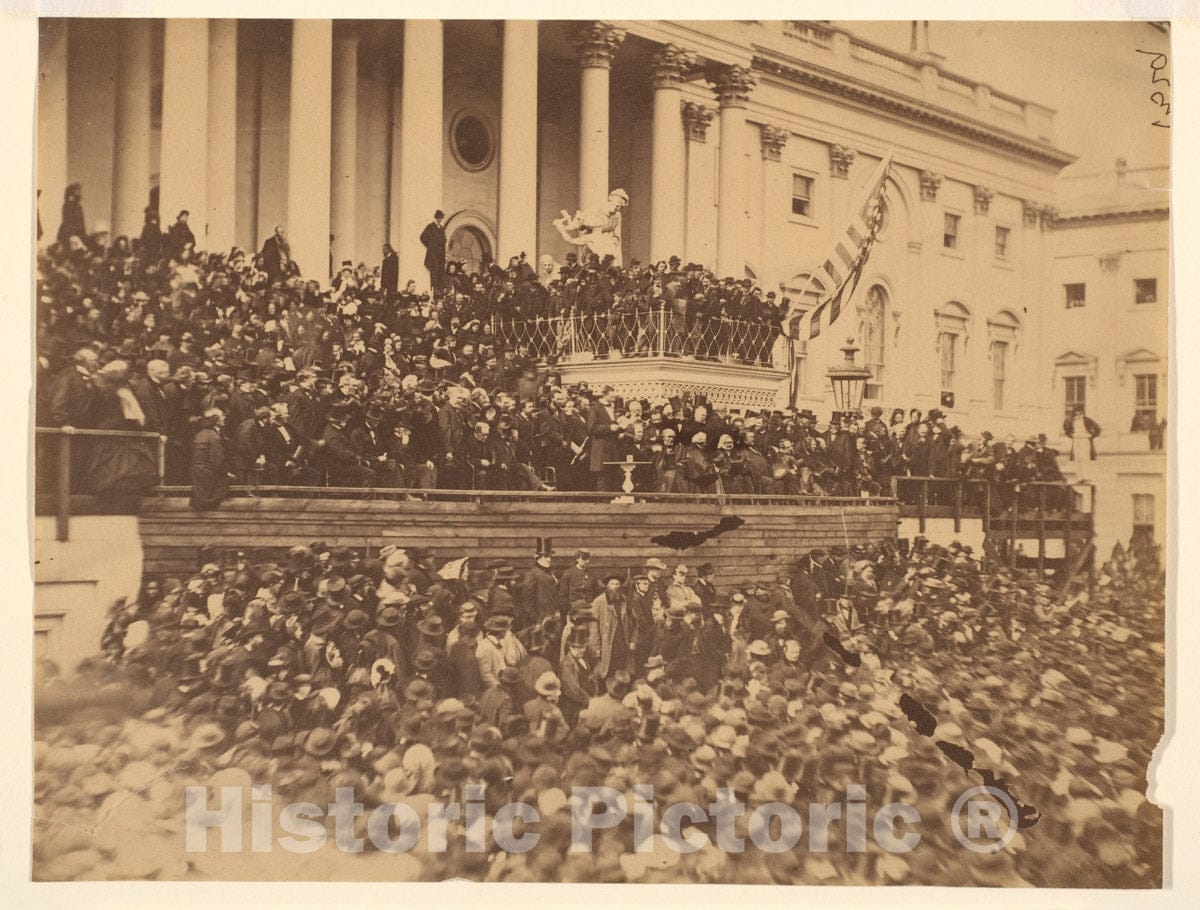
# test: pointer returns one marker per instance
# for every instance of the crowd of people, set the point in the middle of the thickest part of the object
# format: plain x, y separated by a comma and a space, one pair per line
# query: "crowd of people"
409, 679
253, 375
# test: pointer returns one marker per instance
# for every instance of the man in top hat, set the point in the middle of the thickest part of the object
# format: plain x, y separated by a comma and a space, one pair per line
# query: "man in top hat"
610, 703
539, 587
705, 587
466, 680
578, 582
644, 605
433, 238
578, 676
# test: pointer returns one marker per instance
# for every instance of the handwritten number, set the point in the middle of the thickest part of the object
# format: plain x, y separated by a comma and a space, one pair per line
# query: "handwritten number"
1157, 63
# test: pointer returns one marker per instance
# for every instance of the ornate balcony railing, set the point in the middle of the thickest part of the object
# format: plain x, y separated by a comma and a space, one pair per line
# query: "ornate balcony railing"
652, 333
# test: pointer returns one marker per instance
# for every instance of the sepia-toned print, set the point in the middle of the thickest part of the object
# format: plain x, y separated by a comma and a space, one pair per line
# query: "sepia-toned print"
601, 451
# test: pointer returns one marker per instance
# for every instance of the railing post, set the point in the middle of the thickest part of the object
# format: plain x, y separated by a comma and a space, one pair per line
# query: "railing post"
922, 506
1012, 528
63, 519
1041, 529
662, 329
1067, 533
162, 460
958, 505
987, 507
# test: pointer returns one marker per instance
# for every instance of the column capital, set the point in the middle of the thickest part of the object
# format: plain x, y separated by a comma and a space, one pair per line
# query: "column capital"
840, 159
733, 85
696, 118
597, 44
669, 65
774, 138
930, 184
983, 199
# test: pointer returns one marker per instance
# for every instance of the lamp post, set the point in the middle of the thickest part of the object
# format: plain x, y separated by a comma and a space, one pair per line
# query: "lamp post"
848, 380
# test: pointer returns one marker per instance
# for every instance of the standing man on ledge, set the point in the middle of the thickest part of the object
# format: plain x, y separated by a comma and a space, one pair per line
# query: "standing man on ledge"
434, 240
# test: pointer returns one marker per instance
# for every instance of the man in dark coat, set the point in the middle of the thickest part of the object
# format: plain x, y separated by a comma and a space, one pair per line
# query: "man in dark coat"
276, 256
160, 398
696, 473
464, 667
539, 588
150, 244
72, 216
433, 238
389, 272
345, 463
602, 432
302, 406
180, 235
210, 472
72, 396
578, 582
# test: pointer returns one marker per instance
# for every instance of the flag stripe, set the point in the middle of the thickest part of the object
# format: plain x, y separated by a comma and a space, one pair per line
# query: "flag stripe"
851, 252
847, 257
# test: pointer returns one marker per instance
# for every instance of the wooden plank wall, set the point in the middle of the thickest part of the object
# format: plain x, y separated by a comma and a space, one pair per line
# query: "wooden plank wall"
619, 535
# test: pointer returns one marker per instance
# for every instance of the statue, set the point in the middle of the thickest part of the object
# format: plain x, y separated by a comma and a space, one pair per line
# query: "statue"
597, 229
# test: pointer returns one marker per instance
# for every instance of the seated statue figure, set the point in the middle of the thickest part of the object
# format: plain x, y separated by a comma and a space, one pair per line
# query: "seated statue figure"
598, 229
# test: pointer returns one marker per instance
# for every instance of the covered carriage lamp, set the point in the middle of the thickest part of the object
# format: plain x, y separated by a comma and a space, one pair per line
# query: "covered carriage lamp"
848, 380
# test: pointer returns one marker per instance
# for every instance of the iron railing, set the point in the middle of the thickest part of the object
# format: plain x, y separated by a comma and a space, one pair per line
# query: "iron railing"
582, 337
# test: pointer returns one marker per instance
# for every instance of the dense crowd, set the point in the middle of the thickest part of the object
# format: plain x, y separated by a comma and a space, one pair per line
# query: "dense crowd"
408, 679
256, 376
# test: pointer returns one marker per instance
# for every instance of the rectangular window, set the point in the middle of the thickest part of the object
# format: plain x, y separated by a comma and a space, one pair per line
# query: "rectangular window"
947, 342
1075, 394
999, 368
1076, 295
1143, 516
800, 353
950, 232
1145, 290
802, 187
1145, 405
1001, 242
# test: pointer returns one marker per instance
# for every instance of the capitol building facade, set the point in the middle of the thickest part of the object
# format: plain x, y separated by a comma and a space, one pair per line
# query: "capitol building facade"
741, 146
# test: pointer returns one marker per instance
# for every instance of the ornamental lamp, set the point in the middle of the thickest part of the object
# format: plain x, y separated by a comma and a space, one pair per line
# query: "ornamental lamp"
848, 380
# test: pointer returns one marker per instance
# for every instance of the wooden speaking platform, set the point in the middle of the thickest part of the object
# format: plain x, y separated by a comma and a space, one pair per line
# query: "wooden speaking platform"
505, 526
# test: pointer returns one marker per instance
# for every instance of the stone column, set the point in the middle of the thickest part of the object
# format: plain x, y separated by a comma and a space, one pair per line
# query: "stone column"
733, 86
598, 43
668, 170
222, 134
518, 141
183, 158
700, 240
308, 147
421, 144
131, 141
52, 125
344, 172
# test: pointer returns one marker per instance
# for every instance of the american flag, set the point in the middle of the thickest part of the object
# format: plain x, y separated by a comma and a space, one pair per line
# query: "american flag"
845, 266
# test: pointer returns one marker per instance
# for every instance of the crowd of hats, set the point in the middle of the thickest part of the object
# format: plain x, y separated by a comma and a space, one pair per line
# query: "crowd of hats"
234, 340
237, 322
1060, 698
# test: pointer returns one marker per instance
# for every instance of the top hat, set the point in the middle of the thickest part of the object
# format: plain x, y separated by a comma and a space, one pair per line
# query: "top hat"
544, 547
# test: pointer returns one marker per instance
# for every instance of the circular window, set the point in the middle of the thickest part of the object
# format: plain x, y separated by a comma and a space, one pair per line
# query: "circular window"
471, 141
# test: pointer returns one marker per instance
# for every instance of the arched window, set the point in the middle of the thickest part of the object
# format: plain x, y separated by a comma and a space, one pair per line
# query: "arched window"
468, 246
871, 339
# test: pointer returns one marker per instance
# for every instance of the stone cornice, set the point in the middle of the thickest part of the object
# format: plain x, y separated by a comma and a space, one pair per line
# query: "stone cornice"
843, 87
1128, 216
